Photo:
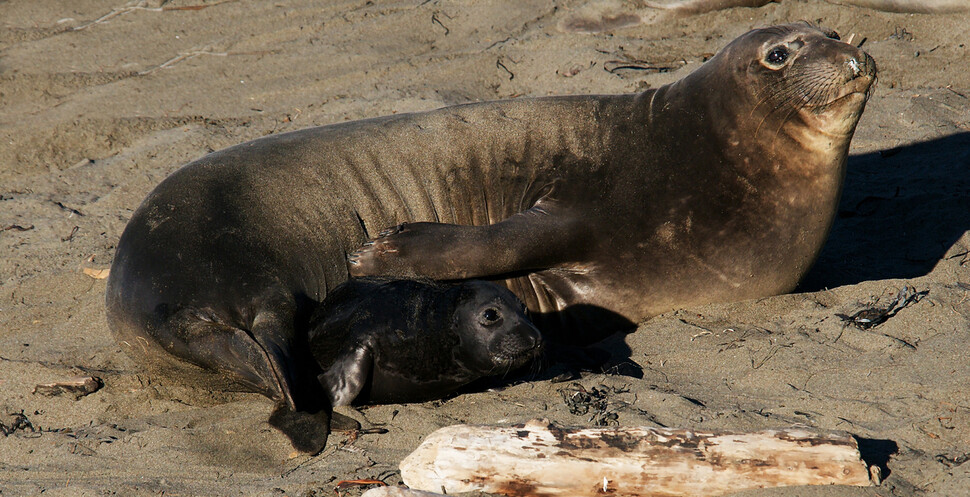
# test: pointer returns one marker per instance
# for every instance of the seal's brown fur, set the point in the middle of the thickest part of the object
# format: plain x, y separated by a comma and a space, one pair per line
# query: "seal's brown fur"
597, 211
721, 186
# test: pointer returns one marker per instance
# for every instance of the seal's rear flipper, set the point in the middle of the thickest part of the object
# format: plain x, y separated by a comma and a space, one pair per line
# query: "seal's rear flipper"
256, 361
308, 431
339, 422
273, 334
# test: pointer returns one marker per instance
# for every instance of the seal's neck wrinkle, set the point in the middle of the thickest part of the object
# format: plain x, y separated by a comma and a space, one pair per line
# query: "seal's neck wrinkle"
716, 114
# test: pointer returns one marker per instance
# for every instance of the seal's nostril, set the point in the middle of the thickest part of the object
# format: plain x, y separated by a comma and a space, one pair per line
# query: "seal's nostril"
854, 65
534, 341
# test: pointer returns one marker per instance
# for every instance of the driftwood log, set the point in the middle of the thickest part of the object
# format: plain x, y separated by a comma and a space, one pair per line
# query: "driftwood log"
397, 492
542, 459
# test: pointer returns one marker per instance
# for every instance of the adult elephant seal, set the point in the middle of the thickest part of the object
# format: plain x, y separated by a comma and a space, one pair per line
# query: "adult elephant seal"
389, 341
719, 187
597, 211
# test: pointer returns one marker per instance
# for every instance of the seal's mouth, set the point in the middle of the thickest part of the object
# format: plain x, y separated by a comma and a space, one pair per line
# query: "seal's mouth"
856, 89
511, 357
502, 360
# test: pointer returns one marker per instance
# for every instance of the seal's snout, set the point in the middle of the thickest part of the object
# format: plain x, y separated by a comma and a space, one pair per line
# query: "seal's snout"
854, 67
525, 341
532, 342
516, 347
860, 73
861, 65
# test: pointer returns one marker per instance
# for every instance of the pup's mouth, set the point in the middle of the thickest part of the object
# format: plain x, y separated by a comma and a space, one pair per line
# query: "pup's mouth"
504, 360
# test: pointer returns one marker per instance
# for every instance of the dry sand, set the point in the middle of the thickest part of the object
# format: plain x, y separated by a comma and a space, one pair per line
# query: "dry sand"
99, 102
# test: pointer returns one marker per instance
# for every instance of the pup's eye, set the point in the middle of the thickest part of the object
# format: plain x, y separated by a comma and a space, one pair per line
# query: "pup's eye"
490, 316
833, 35
777, 56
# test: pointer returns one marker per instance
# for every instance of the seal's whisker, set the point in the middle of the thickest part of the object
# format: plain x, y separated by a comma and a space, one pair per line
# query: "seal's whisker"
777, 97
769, 96
813, 87
781, 99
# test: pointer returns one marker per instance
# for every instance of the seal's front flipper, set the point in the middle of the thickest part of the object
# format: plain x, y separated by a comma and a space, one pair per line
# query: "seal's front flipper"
531, 240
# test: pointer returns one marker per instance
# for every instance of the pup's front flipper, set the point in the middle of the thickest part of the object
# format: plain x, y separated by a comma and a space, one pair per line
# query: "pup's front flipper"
346, 377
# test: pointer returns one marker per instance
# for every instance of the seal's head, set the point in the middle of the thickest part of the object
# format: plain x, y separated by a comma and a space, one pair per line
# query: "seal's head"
795, 73
496, 335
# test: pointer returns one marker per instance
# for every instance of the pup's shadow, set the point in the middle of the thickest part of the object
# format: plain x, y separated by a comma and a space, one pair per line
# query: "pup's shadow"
877, 452
901, 211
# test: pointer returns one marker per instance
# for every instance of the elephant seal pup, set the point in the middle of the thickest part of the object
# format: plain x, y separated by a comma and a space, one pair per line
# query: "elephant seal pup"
598, 211
393, 341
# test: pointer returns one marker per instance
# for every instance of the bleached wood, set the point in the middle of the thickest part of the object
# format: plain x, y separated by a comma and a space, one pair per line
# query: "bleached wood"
398, 492
541, 459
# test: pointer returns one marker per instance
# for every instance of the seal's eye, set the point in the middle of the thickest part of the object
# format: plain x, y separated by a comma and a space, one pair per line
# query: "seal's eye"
777, 56
833, 35
490, 316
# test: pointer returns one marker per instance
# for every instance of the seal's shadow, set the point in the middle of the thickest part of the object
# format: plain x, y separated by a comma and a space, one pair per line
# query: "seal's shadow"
901, 211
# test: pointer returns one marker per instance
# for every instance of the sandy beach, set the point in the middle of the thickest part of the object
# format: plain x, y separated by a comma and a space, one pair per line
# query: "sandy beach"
101, 100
